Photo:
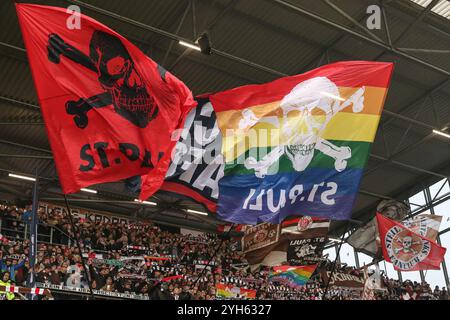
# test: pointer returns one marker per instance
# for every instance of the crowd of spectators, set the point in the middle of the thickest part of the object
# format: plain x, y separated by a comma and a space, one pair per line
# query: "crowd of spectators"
146, 261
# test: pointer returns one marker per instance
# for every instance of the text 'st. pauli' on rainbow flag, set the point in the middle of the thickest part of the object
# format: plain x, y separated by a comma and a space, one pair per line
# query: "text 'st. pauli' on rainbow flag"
292, 276
299, 144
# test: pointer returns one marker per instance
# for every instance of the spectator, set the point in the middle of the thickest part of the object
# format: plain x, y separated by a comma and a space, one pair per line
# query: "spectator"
6, 281
444, 294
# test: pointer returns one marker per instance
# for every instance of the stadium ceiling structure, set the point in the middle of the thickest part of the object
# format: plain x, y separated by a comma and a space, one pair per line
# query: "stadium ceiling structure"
253, 41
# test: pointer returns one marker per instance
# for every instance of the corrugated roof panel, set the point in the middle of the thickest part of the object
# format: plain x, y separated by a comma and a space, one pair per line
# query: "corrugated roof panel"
423, 3
442, 8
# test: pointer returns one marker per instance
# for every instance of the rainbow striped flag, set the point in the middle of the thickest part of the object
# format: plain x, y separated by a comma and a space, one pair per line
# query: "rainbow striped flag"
292, 276
299, 144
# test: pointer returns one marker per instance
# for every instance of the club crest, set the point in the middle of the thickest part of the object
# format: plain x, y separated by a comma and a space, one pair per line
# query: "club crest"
304, 223
261, 235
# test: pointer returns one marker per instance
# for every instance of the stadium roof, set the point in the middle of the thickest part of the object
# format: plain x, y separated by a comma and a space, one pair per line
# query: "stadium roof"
255, 41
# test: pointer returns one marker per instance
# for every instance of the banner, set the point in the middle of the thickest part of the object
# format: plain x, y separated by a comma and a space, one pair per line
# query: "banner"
343, 279
109, 110
292, 276
84, 214
305, 251
24, 290
305, 226
407, 250
230, 291
299, 143
301, 242
110, 262
86, 291
260, 236
33, 225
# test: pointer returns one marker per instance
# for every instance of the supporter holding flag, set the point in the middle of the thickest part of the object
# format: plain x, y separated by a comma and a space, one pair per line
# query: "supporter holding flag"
109, 110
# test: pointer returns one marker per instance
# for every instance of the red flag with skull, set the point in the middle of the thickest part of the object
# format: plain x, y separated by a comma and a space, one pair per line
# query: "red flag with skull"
109, 110
407, 250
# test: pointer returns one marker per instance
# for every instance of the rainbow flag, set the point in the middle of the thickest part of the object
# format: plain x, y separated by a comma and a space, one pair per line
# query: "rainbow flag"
292, 276
300, 143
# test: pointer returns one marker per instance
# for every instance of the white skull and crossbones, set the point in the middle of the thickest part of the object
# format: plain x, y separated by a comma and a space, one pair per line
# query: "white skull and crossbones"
307, 110
407, 244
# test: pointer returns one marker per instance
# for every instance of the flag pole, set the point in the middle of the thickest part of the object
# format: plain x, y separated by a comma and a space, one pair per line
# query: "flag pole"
75, 231
33, 234
324, 295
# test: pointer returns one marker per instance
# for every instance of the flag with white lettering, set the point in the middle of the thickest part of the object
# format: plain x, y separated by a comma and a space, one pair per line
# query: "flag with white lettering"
109, 109
427, 225
406, 249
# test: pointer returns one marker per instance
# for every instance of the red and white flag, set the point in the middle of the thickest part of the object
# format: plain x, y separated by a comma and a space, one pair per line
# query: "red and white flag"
406, 249
109, 110
306, 226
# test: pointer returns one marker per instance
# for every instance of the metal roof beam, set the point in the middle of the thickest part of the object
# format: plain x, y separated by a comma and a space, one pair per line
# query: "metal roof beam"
208, 28
417, 20
351, 19
138, 41
20, 123
27, 105
355, 34
418, 100
401, 195
407, 166
220, 53
172, 36
20, 145
25, 156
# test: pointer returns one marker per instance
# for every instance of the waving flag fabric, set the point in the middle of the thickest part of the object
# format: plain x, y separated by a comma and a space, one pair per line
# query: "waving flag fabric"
300, 143
109, 110
197, 164
406, 249
292, 276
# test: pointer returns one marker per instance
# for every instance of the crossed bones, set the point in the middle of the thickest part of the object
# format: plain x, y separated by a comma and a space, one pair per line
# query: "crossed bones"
407, 248
79, 109
339, 154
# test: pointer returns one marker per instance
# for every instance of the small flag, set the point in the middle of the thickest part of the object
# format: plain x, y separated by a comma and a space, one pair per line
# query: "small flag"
292, 276
298, 241
406, 249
